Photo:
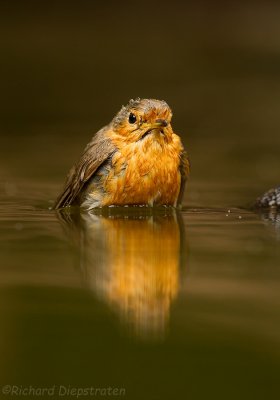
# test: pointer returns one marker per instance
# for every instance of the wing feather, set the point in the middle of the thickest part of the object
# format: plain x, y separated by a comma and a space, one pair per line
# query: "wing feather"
184, 169
99, 149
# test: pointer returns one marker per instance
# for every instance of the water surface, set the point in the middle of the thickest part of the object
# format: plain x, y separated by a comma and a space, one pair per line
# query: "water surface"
157, 303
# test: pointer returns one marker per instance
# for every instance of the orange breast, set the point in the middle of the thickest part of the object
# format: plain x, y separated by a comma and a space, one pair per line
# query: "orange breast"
144, 172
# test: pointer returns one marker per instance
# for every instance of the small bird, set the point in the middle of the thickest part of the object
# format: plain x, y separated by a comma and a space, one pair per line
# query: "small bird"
135, 160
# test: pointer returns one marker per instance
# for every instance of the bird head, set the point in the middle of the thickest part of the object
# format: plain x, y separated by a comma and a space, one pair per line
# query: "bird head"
142, 118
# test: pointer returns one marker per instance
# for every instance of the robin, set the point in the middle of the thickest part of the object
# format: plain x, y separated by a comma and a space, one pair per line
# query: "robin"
135, 160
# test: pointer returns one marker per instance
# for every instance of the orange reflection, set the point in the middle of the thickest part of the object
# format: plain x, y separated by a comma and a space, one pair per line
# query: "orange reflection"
132, 263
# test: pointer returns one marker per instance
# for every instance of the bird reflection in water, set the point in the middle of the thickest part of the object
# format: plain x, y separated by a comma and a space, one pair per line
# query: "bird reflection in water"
272, 218
131, 261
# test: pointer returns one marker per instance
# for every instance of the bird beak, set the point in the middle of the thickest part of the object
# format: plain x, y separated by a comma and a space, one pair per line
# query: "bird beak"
159, 123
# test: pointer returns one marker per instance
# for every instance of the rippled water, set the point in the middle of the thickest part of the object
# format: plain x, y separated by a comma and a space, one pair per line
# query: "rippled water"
156, 302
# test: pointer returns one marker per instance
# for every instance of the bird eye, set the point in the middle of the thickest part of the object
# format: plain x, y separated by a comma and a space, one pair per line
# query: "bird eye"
132, 118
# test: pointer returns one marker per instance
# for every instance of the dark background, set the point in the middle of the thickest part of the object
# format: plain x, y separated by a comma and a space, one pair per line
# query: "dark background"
67, 67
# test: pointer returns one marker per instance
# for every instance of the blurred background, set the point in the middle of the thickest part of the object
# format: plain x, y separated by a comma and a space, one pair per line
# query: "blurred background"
67, 68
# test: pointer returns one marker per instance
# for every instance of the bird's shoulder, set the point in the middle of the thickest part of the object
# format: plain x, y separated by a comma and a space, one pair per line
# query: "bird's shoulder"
97, 151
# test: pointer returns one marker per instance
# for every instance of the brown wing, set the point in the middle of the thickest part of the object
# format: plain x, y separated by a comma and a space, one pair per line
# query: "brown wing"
96, 152
184, 168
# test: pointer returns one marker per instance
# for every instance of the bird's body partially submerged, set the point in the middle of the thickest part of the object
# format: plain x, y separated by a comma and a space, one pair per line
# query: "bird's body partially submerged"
136, 160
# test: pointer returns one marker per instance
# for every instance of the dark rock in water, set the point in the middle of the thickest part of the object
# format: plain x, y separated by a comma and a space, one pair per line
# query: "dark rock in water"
270, 199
